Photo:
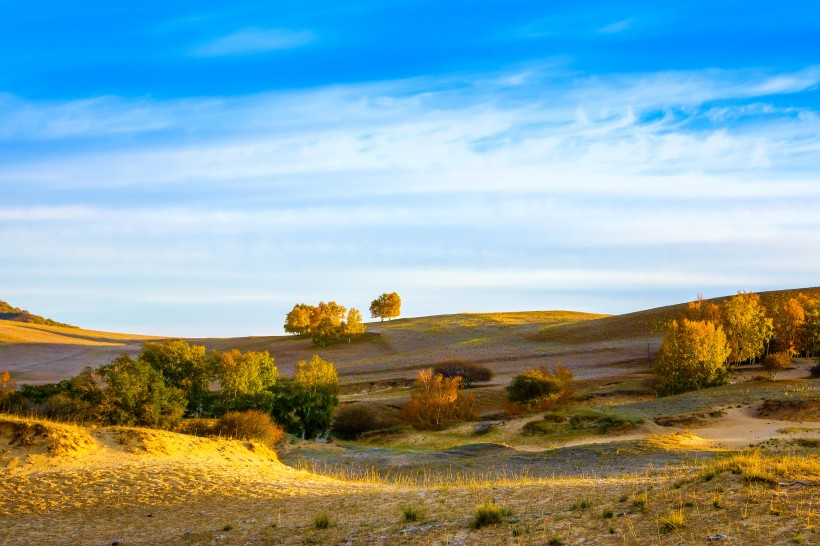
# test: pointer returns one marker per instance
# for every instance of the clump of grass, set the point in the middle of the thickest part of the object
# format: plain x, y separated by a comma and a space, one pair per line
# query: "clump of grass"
555, 541
321, 521
489, 513
583, 504
640, 500
672, 521
607, 513
227, 527
410, 513
717, 502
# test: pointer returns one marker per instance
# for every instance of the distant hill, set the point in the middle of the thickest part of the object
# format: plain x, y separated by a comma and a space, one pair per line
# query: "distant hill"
7, 312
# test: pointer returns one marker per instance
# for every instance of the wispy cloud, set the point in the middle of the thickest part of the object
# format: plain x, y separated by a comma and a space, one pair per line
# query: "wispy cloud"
254, 40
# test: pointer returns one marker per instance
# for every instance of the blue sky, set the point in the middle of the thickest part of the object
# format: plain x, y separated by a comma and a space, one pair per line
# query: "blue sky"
197, 168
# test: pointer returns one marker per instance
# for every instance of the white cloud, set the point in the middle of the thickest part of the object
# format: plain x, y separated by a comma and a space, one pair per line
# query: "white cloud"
254, 40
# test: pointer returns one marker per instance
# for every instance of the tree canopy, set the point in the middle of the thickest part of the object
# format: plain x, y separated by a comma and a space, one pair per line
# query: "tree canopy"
386, 306
325, 322
746, 326
692, 356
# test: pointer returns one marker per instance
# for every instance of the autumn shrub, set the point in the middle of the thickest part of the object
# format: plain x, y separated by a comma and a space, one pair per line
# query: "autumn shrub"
776, 362
353, 420
469, 372
249, 425
435, 402
539, 389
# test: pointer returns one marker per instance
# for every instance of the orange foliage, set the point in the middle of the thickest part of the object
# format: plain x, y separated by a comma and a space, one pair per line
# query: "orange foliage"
435, 402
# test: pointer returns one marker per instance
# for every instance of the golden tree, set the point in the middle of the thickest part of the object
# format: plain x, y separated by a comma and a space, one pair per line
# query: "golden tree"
789, 322
746, 326
315, 394
435, 402
386, 306
702, 309
692, 356
244, 374
297, 320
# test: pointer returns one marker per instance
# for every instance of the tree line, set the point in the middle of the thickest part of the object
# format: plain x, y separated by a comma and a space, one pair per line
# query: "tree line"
171, 379
700, 347
328, 322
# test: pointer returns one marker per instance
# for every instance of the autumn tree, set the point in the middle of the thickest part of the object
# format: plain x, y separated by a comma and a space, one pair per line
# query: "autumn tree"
789, 320
315, 394
7, 388
386, 306
435, 402
692, 356
244, 376
746, 326
297, 320
325, 322
811, 326
182, 366
353, 326
702, 309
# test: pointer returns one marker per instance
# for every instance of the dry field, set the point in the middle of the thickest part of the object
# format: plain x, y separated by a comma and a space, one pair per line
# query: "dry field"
68, 485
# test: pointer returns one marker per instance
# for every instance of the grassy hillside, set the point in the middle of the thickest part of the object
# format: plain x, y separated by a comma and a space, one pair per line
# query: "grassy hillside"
7, 312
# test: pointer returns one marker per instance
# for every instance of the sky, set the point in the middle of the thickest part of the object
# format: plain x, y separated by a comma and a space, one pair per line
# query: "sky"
197, 168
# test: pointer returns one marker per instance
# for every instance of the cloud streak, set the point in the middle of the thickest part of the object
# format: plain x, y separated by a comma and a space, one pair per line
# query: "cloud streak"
253, 40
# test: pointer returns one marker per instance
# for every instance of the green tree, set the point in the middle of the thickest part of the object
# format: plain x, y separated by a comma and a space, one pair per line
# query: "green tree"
136, 394
315, 392
692, 356
386, 306
244, 376
540, 388
182, 366
298, 319
746, 326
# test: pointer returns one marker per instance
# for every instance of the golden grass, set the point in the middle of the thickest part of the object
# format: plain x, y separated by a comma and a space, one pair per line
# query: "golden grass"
21, 332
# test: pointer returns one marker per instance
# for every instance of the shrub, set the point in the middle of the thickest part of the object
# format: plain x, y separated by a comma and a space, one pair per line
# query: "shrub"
249, 425
815, 370
776, 362
435, 402
540, 389
469, 372
353, 420
489, 513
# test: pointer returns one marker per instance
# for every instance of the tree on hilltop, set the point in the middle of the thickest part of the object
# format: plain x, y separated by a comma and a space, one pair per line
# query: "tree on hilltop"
386, 306
298, 319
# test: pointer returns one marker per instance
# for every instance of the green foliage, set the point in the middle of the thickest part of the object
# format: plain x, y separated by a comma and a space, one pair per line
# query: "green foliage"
541, 388
245, 378
410, 514
314, 395
692, 356
386, 306
182, 366
136, 394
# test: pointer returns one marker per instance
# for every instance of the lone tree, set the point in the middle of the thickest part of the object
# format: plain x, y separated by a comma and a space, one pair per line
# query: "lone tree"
315, 392
386, 306
692, 356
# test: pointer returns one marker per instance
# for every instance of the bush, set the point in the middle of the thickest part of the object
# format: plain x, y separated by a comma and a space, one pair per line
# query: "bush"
410, 513
815, 370
469, 372
249, 425
353, 420
776, 362
540, 389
